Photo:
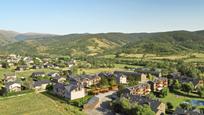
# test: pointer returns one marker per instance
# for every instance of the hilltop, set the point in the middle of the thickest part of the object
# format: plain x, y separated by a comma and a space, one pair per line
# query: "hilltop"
107, 43
8, 37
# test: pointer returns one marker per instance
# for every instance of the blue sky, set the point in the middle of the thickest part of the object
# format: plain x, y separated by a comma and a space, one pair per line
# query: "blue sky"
96, 16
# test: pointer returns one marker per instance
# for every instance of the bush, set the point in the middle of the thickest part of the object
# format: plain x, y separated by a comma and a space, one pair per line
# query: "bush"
80, 102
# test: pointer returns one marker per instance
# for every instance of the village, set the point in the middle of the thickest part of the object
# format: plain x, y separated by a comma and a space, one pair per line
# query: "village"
142, 86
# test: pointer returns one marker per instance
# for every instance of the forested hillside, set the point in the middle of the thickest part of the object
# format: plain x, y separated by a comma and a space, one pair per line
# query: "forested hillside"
110, 43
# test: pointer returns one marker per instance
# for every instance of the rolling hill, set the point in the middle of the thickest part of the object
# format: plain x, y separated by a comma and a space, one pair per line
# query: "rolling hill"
109, 43
7, 37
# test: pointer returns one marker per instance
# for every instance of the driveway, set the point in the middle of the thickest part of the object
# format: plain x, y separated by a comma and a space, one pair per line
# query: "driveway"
102, 108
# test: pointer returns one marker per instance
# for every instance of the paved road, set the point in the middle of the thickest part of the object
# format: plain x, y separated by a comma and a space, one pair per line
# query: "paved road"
103, 107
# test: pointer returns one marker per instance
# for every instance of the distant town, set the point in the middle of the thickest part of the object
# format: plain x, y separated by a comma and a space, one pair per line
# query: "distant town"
124, 90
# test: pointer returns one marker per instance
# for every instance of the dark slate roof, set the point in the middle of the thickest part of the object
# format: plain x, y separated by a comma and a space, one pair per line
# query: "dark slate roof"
82, 77
135, 74
70, 87
40, 82
51, 73
37, 73
180, 111
105, 74
59, 86
184, 79
154, 104
57, 77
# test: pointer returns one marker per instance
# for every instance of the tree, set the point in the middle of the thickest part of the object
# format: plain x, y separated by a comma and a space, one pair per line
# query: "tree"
49, 87
36, 61
200, 91
187, 87
124, 106
74, 70
5, 65
104, 82
186, 106
21, 62
164, 92
112, 82
169, 105
176, 84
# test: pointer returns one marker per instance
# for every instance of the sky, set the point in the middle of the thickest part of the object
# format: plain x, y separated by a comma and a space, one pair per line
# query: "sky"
101, 16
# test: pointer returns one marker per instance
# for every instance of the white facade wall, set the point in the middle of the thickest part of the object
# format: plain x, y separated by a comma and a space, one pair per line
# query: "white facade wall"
75, 94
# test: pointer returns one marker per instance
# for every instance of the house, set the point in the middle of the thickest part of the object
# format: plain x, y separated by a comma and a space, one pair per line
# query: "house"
106, 74
140, 77
157, 106
141, 89
86, 80
156, 72
38, 74
9, 78
28, 60
122, 79
21, 68
180, 111
158, 84
70, 91
48, 65
41, 85
58, 79
13, 86
53, 74
37, 67
185, 79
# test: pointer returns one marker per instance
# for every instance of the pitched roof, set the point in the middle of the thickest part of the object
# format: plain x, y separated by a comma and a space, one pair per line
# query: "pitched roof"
154, 104
135, 74
187, 79
70, 87
37, 73
40, 82
82, 77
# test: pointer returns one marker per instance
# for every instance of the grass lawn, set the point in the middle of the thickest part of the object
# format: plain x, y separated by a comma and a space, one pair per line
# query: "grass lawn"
25, 73
36, 104
5, 71
28, 73
177, 99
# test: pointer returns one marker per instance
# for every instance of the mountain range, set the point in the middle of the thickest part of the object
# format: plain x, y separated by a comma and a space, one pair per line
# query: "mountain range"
102, 43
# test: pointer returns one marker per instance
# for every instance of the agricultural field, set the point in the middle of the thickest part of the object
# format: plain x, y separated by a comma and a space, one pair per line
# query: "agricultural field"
192, 57
36, 104
25, 73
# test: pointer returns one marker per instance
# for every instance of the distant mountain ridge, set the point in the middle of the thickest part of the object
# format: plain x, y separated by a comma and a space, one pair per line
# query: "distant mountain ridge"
7, 37
108, 43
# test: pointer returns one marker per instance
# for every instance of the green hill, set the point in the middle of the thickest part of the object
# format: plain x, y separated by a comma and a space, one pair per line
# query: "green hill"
8, 37
109, 43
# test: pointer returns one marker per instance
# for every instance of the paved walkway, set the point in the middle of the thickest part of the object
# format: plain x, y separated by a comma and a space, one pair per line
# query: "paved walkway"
103, 107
